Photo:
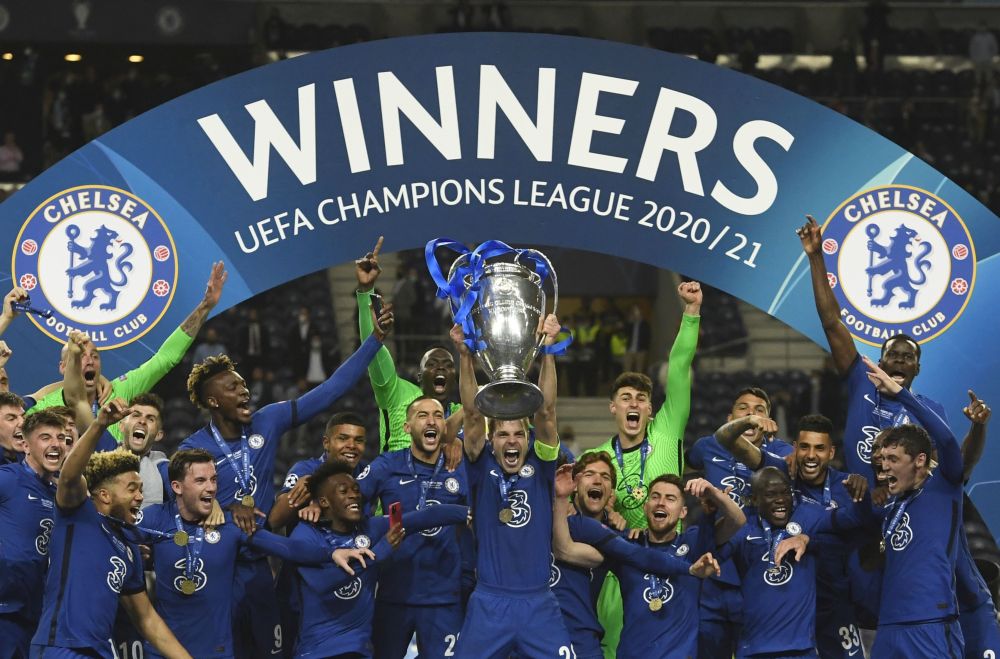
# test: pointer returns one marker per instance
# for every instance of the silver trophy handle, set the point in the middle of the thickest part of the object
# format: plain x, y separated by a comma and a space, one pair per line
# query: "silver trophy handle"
555, 286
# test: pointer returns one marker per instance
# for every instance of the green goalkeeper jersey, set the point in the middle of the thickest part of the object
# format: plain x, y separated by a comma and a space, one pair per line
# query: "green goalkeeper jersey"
137, 381
393, 394
665, 432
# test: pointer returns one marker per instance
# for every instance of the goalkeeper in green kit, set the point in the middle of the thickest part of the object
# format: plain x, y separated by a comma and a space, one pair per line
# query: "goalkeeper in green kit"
646, 448
393, 394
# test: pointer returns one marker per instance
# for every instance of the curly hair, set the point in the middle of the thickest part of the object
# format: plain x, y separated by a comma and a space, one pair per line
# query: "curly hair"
205, 371
106, 465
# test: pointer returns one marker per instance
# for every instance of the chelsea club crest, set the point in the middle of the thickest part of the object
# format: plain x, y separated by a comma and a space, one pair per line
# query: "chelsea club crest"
101, 259
900, 260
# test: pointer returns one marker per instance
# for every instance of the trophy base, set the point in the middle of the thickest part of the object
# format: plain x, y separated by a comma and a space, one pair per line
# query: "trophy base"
509, 399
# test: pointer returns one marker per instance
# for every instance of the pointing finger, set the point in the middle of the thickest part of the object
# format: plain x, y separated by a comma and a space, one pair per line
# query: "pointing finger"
378, 247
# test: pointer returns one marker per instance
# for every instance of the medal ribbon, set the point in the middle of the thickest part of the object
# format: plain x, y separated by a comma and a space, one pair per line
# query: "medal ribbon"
335, 542
655, 584
771, 543
827, 495
192, 548
643, 454
900, 509
425, 485
505, 488
125, 526
244, 474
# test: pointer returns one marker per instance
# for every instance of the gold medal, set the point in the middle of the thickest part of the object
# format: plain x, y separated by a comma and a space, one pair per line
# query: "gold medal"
181, 538
655, 604
639, 493
506, 515
881, 546
187, 586
247, 501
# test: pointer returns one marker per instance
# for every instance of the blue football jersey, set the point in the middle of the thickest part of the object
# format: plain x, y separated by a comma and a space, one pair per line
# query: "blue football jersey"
514, 554
428, 569
672, 630
722, 471
92, 563
779, 602
201, 621
922, 527
337, 608
265, 429
868, 412
27, 515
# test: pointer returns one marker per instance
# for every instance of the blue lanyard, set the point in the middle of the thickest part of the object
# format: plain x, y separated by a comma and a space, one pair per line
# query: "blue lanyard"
244, 474
424, 485
827, 495
505, 487
899, 419
771, 543
655, 583
192, 548
643, 454
900, 509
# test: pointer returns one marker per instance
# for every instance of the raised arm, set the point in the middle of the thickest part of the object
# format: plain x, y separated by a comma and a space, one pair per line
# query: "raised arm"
677, 406
729, 516
978, 412
730, 437
949, 454
16, 294
473, 421
841, 344
564, 548
433, 516
381, 370
151, 626
74, 387
546, 428
72, 488
213, 291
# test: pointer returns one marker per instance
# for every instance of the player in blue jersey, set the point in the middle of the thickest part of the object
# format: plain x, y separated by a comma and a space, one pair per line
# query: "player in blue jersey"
420, 589
816, 482
721, 604
195, 566
869, 412
338, 605
94, 564
922, 523
343, 440
244, 445
27, 510
512, 608
661, 614
11, 419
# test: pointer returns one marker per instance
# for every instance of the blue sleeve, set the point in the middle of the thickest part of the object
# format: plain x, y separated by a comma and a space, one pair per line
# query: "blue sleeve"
811, 517
623, 552
696, 456
731, 548
29, 402
949, 452
288, 549
135, 578
432, 516
106, 442
321, 397
331, 577
370, 480
8, 484
768, 459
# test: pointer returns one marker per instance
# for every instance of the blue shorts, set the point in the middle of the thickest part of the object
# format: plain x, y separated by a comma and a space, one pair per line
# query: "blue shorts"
838, 636
930, 640
15, 636
981, 632
720, 619
256, 622
436, 627
499, 622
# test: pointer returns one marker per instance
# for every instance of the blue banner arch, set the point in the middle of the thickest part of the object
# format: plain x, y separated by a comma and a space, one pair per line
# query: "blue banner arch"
530, 139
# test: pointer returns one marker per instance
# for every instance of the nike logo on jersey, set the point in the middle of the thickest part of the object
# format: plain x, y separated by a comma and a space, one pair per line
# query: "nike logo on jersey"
868, 398
31, 498
755, 537
719, 460
406, 481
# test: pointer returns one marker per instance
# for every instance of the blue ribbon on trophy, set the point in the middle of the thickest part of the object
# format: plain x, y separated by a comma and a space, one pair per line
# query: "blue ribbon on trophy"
497, 295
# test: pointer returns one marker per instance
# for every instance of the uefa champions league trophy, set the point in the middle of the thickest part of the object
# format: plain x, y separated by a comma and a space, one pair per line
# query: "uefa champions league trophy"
497, 296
